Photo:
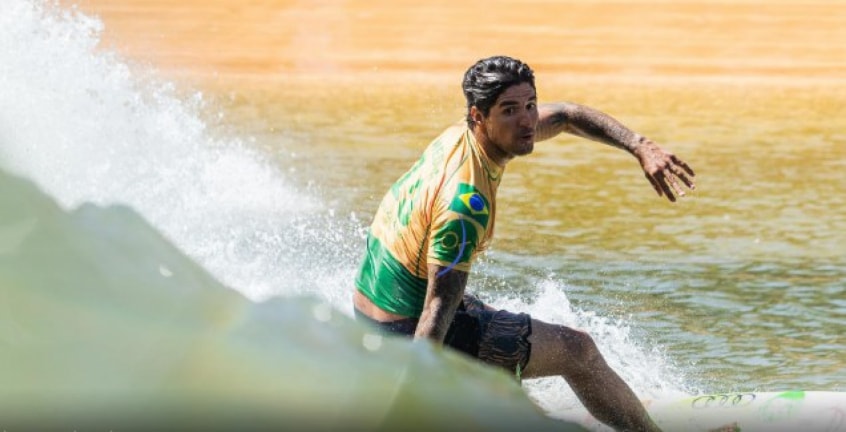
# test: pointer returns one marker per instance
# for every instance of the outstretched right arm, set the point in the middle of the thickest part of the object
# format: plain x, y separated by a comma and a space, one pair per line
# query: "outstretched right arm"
663, 169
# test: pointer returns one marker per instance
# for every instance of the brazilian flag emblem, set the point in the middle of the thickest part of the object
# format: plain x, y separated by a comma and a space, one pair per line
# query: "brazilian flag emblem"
471, 203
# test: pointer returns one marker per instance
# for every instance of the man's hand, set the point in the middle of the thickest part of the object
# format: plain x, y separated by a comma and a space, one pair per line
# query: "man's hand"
663, 169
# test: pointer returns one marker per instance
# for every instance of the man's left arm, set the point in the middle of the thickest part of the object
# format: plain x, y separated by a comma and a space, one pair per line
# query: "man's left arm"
663, 169
444, 292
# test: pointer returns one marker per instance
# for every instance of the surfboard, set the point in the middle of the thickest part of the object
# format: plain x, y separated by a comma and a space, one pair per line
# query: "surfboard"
802, 411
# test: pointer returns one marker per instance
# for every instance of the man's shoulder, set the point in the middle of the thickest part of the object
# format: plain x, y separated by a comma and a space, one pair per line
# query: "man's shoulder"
452, 134
444, 156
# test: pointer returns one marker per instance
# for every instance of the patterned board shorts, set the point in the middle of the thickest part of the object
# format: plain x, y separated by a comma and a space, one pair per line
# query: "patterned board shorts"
496, 337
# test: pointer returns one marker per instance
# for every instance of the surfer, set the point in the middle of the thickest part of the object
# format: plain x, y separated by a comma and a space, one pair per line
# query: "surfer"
439, 216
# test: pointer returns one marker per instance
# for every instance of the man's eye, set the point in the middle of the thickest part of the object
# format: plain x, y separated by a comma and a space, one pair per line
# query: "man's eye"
509, 111
531, 106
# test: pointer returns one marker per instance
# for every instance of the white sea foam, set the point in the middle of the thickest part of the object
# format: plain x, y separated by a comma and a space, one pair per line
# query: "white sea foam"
89, 127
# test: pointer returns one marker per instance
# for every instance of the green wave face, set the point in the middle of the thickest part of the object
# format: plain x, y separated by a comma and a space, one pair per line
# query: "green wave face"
107, 324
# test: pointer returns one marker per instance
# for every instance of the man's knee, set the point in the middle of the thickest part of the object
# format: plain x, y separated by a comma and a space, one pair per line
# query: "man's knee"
561, 350
580, 346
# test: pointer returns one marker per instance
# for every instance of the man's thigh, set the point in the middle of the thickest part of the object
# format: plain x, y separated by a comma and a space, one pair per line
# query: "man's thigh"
502, 336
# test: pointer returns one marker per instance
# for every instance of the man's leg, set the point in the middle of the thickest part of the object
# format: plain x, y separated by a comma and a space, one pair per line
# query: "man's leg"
560, 350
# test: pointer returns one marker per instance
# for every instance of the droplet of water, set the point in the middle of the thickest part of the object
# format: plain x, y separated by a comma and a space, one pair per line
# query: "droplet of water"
372, 342
322, 312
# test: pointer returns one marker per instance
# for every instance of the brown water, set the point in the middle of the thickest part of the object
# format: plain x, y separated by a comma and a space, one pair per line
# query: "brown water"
745, 278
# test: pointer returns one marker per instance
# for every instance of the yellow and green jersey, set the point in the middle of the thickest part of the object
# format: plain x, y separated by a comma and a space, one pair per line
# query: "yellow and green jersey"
439, 212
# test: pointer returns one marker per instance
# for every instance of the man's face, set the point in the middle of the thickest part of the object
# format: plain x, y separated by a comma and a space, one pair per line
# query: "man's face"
510, 125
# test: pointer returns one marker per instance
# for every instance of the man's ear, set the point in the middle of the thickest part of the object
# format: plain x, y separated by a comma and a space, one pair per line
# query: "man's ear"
476, 115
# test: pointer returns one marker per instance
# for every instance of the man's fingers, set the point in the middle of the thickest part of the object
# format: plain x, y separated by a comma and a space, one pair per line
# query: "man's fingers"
666, 188
675, 185
667, 173
681, 176
659, 180
688, 182
667, 178
654, 184
682, 164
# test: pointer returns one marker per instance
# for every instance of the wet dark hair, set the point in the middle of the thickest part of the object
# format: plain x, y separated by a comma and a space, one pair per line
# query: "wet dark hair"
489, 77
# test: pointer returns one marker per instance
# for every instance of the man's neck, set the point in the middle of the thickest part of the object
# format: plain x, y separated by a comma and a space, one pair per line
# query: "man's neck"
494, 153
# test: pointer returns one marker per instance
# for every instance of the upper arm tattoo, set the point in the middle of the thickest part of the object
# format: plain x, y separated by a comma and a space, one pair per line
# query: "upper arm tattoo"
554, 119
585, 122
